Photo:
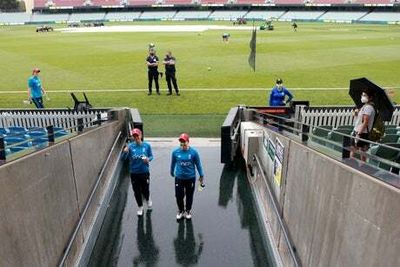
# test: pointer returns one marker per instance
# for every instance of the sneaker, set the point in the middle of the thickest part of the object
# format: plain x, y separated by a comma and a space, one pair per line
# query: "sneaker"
149, 204
188, 215
149, 93
178, 94
158, 93
140, 211
179, 215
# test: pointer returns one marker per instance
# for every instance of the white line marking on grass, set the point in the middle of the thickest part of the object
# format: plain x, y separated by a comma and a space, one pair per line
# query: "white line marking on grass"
154, 28
189, 90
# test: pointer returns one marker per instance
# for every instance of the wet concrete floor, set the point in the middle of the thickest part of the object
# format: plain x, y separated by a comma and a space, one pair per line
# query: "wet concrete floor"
224, 230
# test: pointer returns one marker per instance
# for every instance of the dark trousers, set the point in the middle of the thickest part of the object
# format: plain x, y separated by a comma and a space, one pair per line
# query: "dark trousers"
184, 188
153, 75
170, 76
140, 184
38, 101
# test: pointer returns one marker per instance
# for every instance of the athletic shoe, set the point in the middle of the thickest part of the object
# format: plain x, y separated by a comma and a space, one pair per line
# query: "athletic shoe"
158, 93
149, 204
179, 215
149, 93
140, 211
188, 215
178, 94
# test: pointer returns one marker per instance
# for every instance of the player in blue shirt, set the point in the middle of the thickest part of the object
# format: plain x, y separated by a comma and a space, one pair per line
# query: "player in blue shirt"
278, 94
184, 162
140, 155
35, 89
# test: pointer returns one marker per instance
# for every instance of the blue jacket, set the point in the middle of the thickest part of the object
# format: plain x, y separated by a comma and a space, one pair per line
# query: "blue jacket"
35, 85
135, 154
184, 162
277, 97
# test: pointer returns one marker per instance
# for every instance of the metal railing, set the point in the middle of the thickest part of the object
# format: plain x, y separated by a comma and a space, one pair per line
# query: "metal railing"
381, 168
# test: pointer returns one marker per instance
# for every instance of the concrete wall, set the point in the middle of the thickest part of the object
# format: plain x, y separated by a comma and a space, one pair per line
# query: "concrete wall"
42, 195
336, 216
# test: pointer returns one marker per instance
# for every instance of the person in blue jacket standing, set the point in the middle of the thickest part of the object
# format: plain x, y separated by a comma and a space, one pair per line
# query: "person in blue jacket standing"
140, 155
35, 89
184, 162
278, 94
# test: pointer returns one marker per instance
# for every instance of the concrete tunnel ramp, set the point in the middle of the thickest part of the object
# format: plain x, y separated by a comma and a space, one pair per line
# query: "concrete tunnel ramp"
224, 230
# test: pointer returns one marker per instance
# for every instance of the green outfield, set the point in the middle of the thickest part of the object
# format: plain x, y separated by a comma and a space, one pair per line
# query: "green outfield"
317, 56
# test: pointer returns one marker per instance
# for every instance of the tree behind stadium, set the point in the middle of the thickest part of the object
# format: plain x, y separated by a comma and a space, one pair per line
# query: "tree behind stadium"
9, 5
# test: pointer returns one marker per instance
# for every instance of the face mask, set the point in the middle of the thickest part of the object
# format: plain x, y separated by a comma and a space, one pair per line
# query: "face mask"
364, 99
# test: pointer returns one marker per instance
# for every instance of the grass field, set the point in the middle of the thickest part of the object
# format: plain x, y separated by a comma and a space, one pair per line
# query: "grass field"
317, 56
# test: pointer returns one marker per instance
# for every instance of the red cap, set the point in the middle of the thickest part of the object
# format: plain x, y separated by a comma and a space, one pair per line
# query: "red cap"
136, 131
184, 137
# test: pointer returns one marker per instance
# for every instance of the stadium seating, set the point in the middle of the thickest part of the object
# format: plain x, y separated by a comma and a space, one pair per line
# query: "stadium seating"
341, 16
382, 16
264, 15
40, 3
76, 17
289, 2
14, 18
182, 15
49, 18
227, 15
106, 2
141, 2
158, 15
386, 153
214, 2
68, 3
122, 16
19, 138
178, 2
320, 134
309, 15
329, 2
373, 2
250, 2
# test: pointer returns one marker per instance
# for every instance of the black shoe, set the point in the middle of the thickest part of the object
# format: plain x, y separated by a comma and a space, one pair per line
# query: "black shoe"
178, 94
158, 93
169, 94
149, 93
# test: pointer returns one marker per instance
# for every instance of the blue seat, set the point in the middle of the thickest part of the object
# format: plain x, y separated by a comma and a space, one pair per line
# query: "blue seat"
59, 132
33, 134
37, 129
17, 129
4, 131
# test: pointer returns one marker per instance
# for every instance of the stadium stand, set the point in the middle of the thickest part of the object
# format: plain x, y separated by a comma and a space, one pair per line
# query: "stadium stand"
76, 17
182, 15
373, 2
289, 2
214, 2
141, 2
178, 2
122, 16
40, 3
330, 2
342, 16
36, 17
67, 3
382, 16
227, 15
264, 15
306, 15
250, 2
14, 18
158, 15
106, 3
